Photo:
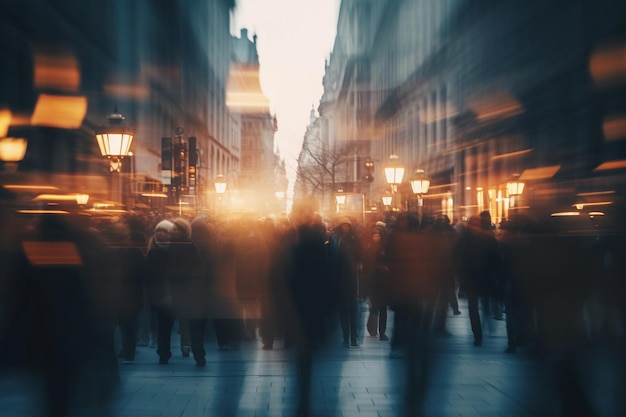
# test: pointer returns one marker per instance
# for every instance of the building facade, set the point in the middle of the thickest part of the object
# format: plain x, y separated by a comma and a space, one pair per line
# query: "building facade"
477, 93
259, 179
162, 65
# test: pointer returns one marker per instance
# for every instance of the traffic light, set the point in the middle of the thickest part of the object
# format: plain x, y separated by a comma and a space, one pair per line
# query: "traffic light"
369, 170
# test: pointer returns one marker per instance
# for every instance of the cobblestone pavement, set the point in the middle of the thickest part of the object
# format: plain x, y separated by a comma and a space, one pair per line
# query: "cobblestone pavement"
464, 380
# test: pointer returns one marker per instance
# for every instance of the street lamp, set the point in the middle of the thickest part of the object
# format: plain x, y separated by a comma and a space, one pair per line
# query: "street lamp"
220, 184
82, 199
387, 198
394, 171
114, 140
420, 183
514, 189
340, 199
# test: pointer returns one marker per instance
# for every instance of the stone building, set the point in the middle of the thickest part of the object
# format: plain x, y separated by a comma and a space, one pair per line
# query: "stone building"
476, 93
161, 65
256, 183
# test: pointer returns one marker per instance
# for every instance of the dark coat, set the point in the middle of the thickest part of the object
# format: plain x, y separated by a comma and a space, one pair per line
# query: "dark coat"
344, 258
478, 262
308, 283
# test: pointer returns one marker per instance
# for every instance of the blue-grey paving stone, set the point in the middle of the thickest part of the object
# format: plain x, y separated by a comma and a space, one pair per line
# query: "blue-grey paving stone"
362, 382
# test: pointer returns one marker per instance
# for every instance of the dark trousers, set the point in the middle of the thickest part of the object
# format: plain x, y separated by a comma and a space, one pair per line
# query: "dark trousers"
377, 320
474, 316
165, 324
128, 330
473, 304
228, 332
347, 317
418, 332
196, 334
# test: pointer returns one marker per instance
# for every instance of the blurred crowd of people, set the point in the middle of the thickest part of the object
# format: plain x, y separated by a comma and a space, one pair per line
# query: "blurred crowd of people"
68, 284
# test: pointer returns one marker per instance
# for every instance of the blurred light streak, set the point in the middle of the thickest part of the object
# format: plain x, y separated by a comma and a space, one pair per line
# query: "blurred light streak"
580, 206
5, 121
614, 127
595, 193
539, 173
565, 213
138, 92
25, 187
607, 64
58, 71
511, 154
243, 90
617, 164
497, 105
42, 211
51, 253
64, 112
55, 197
432, 114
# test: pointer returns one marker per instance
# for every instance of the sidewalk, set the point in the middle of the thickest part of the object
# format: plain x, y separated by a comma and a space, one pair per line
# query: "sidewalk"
348, 382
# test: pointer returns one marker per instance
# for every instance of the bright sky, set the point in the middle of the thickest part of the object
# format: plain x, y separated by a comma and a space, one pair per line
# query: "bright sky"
294, 38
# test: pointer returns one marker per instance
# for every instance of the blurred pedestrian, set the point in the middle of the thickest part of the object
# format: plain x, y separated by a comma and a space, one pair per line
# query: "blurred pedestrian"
375, 273
128, 262
447, 296
159, 287
419, 261
66, 271
310, 294
187, 276
345, 260
479, 267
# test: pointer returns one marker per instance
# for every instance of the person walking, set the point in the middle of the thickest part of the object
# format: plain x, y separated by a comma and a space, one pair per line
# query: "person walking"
309, 289
419, 261
158, 287
344, 256
375, 273
479, 267
447, 296
187, 275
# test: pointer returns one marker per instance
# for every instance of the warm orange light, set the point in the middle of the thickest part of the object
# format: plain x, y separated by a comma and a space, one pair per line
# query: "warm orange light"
56, 197
51, 253
608, 64
617, 164
66, 112
498, 105
614, 127
21, 187
5, 121
394, 171
220, 184
12, 149
540, 173
58, 71
566, 214
243, 90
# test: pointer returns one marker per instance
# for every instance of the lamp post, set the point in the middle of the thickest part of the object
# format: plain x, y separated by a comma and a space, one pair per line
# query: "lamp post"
220, 189
114, 142
220, 184
514, 189
394, 171
387, 198
340, 199
420, 183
